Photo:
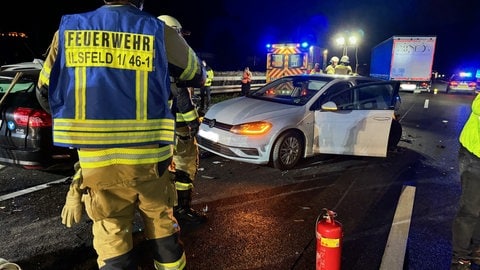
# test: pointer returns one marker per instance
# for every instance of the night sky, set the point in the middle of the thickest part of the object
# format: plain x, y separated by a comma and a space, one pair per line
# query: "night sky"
232, 34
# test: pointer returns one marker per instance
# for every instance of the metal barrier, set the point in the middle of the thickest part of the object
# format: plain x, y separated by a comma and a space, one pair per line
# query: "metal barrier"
230, 84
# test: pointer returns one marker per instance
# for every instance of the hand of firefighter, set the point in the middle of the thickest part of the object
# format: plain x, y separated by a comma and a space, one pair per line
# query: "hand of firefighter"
72, 210
194, 126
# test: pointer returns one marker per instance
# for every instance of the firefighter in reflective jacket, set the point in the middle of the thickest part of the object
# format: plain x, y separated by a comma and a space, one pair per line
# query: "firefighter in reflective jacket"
107, 80
344, 68
186, 153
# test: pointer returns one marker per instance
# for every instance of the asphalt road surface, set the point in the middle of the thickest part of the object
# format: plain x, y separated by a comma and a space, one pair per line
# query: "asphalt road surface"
396, 209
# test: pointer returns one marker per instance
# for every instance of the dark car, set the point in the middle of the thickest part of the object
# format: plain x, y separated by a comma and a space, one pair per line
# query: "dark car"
25, 127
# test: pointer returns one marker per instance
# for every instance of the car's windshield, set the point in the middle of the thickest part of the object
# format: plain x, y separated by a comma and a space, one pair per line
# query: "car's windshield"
295, 90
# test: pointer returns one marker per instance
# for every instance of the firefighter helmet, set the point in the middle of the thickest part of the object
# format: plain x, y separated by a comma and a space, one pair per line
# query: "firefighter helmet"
345, 59
171, 21
334, 60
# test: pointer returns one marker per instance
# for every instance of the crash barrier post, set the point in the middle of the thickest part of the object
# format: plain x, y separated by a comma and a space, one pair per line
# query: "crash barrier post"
329, 234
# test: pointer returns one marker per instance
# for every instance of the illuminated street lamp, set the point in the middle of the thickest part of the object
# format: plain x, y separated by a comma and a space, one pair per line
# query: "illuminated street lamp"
350, 39
342, 43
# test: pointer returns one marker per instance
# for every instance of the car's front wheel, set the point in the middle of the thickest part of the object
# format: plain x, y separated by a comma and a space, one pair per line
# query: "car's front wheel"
287, 150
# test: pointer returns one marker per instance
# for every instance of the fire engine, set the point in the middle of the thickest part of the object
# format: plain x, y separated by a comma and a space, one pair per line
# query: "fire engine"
292, 58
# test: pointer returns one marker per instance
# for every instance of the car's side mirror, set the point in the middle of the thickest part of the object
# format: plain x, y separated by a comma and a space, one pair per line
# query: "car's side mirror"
329, 106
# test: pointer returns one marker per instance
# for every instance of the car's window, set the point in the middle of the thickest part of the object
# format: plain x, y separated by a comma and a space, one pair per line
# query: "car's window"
362, 81
21, 86
375, 97
338, 93
296, 90
368, 96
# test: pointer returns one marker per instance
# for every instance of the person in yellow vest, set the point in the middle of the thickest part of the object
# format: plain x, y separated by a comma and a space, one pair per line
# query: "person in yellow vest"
330, 69
107, 79
205, 91
344, 68
465, 228
316, 69
186, 153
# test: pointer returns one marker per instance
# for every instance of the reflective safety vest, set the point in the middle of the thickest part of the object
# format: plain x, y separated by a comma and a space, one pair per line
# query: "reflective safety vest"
183, 107
109, 85
209, 80
343, 70
470, 135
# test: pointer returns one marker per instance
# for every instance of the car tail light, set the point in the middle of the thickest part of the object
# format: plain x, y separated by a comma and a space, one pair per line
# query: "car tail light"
472, 84
32, 117
454, 83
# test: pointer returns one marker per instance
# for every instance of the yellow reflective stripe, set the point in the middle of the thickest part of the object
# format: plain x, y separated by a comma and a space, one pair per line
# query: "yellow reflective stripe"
187, 117
112, 138
80, 92
191, 68
141, 94
44, 77
94, 125
183, 186
126, 156
179, 264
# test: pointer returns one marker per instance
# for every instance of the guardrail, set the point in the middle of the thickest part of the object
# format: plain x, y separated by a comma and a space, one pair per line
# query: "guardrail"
230, 84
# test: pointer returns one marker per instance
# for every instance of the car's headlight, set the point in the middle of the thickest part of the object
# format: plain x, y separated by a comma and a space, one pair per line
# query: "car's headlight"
254, 128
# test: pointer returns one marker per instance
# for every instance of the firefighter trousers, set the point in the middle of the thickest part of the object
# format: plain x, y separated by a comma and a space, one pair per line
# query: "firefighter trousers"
186, 153
114, 193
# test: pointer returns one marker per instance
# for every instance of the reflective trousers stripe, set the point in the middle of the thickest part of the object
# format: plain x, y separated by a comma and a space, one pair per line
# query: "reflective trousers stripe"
125, 156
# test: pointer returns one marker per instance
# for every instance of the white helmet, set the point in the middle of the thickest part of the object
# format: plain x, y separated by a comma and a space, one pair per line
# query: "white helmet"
334, 60
345, 59
171, 21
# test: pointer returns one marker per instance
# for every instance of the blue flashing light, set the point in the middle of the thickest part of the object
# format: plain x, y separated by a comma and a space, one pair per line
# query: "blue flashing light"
268, 46
465, 74
305, 45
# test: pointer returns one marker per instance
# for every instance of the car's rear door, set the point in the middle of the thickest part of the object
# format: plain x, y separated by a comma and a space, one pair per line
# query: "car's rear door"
360, 124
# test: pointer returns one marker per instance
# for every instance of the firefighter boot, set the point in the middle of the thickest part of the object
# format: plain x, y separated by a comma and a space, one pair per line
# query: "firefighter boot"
184, 212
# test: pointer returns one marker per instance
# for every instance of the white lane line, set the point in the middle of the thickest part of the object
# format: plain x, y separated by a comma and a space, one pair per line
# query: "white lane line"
31, 189
394, 254
425, 104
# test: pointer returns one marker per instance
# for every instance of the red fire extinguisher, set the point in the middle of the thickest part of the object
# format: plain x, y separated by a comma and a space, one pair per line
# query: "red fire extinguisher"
329, 241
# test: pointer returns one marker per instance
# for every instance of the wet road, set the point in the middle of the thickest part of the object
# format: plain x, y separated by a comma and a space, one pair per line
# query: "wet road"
262, 218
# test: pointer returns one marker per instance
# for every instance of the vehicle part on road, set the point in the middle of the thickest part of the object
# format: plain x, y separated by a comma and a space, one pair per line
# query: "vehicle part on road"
329, 241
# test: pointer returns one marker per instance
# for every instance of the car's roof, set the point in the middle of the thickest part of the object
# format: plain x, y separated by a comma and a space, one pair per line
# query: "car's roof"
457, 77
333, 76
29, 70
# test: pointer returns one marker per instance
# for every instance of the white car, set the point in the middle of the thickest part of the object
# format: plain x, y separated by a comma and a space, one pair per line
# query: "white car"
301, 116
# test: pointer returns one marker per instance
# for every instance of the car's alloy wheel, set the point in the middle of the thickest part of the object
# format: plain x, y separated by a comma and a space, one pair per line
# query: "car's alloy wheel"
287, 151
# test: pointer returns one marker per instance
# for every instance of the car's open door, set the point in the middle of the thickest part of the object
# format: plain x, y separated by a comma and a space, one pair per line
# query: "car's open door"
356, 121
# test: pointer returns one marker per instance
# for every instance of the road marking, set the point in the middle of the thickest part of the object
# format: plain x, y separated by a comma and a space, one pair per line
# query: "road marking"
425, 105
31, 189
394, 254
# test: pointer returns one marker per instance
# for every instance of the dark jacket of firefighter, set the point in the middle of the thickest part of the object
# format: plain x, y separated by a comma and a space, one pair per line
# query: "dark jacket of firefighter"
186, 154
108, 93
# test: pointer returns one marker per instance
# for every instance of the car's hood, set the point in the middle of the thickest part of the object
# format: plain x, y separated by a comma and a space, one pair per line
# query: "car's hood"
243, 109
